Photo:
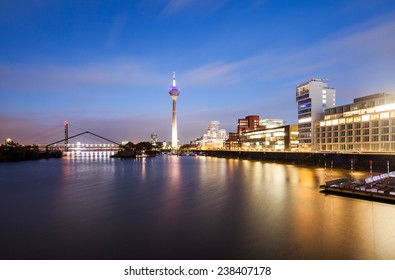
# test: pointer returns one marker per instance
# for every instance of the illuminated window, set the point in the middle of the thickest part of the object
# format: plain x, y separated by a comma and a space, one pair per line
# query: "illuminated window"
304, 120
365, 118
385, 115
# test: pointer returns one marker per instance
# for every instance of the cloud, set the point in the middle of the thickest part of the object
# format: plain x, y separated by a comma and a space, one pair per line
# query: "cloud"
193, 7
127, 72
117, 27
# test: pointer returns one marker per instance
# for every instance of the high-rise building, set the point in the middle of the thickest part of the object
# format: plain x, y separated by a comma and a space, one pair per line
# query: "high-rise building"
174, 93
313, 98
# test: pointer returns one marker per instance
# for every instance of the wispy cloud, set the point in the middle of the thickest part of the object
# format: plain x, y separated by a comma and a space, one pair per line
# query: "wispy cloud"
116, 29
119, 73
194, 7
365, 47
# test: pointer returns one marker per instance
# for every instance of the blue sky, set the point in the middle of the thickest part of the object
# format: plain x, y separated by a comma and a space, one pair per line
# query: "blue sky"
106, 66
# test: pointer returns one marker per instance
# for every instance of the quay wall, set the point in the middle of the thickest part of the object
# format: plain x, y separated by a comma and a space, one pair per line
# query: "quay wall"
340, 160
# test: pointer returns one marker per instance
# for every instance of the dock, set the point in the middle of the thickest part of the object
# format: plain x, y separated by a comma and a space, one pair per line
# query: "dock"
382, 189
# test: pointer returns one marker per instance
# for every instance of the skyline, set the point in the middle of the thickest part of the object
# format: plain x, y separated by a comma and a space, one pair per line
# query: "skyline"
106, 66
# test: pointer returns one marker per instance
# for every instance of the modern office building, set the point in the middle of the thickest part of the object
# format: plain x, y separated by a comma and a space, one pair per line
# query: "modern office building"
174, 93
278, 139
313, 98
367, 125
263, 134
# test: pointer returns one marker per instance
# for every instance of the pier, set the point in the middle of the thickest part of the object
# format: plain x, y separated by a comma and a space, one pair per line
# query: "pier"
361, 161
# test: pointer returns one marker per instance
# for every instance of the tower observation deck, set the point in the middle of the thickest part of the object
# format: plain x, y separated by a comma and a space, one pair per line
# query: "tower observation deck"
174, 93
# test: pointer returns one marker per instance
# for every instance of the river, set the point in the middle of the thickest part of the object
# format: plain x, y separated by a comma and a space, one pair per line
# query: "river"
169, 207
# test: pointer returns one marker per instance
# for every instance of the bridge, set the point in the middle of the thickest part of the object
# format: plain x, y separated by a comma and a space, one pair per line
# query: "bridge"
64, 145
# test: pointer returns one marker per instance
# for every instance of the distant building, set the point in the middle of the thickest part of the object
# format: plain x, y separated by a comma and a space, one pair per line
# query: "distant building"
263, 134
154, 139
271, 123
214, 138
313, 98
248, 123
283, 138
233, 142
367, 125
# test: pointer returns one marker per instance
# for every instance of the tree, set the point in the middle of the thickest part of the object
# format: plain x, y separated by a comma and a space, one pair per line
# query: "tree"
146, 146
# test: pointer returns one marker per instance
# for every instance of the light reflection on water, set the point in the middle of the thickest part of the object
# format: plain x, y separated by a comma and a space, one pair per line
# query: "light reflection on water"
172, 207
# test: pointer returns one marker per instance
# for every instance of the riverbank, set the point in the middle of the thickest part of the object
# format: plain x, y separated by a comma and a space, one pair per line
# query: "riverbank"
22, 153
340, 160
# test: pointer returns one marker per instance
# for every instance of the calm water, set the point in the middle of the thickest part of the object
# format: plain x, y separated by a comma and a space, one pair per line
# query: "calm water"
183, 208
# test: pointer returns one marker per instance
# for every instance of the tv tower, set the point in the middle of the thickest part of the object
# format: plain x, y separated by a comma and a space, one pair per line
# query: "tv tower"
174, 93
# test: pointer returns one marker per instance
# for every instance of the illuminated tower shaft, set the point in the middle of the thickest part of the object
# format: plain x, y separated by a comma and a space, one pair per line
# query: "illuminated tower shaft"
174, 137
174, 93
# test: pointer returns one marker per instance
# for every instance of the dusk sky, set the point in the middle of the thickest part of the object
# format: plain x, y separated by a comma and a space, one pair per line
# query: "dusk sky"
106, 66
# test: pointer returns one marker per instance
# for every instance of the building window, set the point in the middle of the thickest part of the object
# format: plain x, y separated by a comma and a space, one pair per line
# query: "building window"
385, 130
384, 115
385, 123
385, 138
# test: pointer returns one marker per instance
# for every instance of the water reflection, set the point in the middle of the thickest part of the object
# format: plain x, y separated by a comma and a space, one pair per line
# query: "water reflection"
171, 207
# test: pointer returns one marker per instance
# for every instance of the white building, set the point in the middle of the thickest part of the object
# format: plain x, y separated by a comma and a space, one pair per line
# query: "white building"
313, 98
214, 138
271, 123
